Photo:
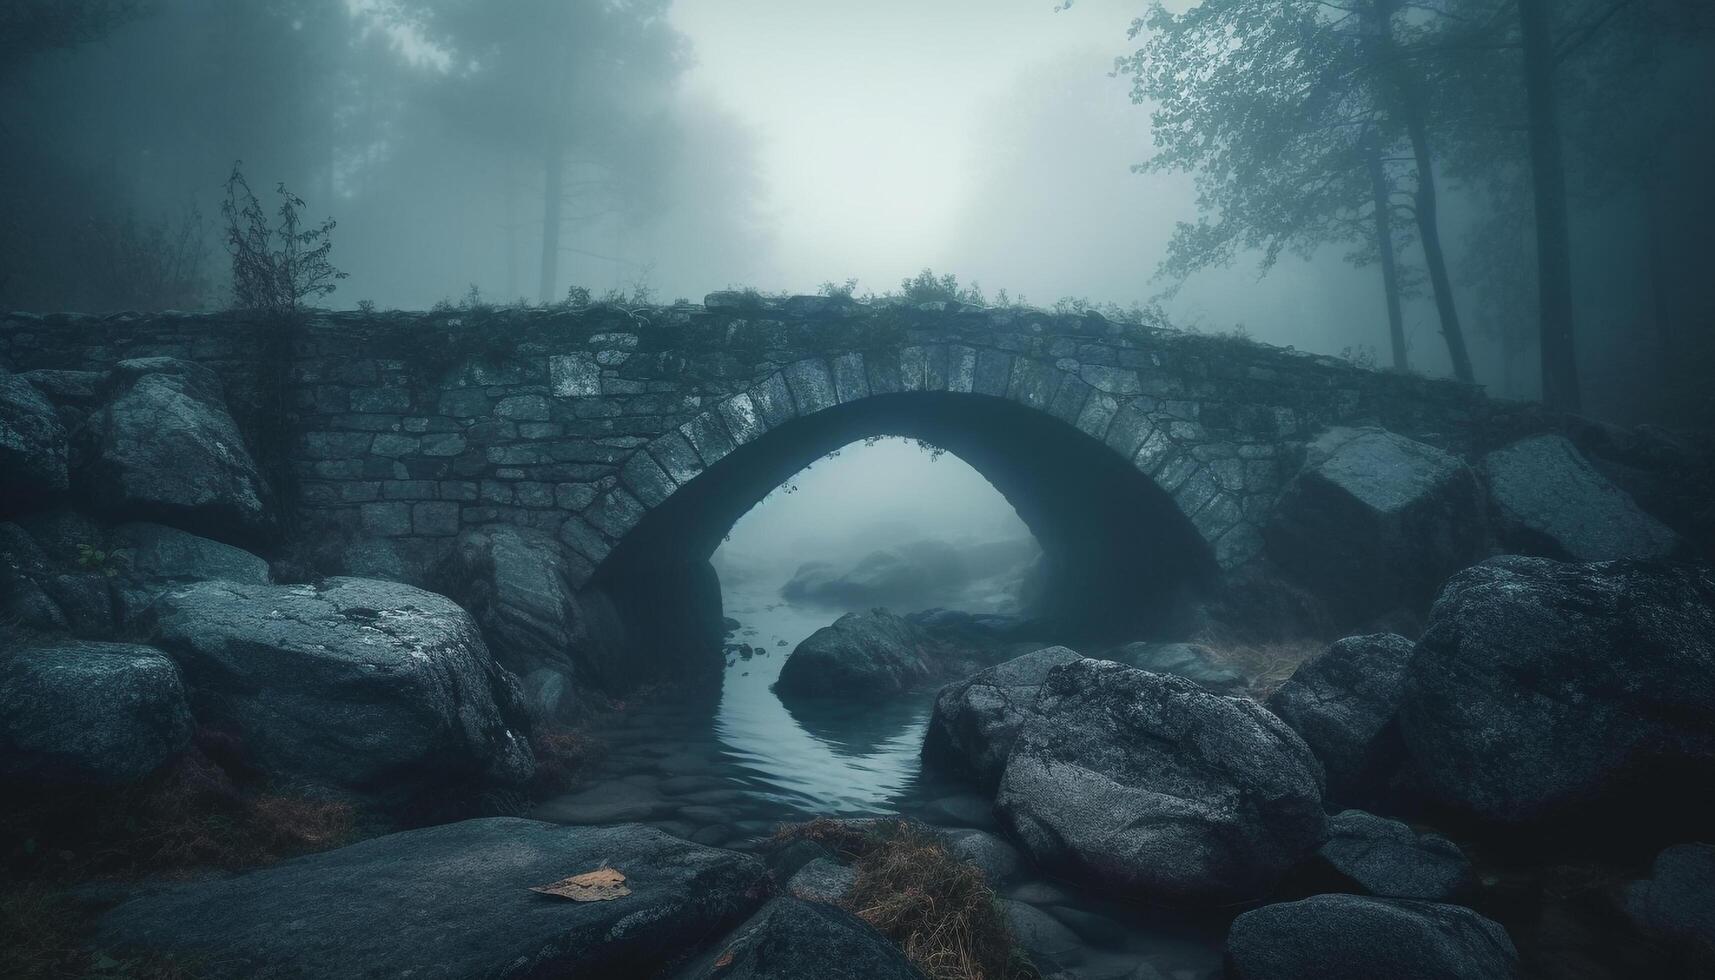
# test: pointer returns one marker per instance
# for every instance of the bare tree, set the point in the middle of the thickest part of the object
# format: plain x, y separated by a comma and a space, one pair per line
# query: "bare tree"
276, 265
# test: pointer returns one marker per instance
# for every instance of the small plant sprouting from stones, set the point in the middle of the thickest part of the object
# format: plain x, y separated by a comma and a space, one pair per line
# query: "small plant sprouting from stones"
93, 559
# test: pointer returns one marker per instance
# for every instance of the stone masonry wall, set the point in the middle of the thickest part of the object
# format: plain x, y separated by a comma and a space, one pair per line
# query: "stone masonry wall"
410, 426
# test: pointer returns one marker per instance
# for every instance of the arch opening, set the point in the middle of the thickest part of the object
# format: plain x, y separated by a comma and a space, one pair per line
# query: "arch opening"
1121, 561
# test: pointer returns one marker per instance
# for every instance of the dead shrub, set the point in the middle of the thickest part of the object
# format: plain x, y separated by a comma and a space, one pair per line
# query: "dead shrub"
938, 910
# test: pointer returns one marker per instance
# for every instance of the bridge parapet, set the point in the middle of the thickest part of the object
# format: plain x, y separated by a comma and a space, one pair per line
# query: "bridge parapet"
412, 426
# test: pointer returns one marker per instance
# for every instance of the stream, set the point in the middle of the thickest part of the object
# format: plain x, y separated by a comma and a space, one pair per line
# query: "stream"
728, 771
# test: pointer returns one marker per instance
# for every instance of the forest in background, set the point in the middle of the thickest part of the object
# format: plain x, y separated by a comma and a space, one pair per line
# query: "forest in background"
527, 147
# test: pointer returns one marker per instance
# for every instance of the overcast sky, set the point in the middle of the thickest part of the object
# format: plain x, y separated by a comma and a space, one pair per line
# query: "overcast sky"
986, 138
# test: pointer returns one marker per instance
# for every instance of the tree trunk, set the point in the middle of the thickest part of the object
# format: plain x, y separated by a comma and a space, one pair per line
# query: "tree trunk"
1548, 181
1429, 232
554, 175
1384, 243
1409, 104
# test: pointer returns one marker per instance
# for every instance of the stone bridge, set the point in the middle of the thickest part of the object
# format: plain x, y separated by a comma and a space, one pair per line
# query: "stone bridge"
1144, 460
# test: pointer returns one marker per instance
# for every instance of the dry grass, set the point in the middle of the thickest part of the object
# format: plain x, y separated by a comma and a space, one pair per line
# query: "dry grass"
1267, 664
937, 909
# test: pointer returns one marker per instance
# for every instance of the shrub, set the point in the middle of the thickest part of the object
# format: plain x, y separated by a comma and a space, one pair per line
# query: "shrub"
276, 267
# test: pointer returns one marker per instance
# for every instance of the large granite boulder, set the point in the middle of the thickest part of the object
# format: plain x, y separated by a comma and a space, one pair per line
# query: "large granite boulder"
1343, 702
162, 446
790, 939
862, 655
1346, 937
1192, 661
1673, 906
32, 447
1376, 856
516, 583
57, 573
102, 714
1551, 502
1375, 520
975, 720
370, 686
1541, 689
1147, 785
154, 558
449, 902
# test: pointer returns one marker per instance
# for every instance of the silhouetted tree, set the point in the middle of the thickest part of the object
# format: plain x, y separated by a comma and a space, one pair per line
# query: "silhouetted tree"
276, 265
1303, 123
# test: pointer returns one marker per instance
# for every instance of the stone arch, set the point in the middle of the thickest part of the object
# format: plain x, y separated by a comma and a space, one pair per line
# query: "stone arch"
1126, 493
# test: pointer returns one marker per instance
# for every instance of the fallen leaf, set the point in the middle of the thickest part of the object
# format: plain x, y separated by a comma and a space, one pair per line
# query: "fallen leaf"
600, 885
724, 961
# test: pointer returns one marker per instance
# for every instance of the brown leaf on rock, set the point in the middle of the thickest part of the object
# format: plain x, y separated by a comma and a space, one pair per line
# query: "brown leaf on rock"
600, 885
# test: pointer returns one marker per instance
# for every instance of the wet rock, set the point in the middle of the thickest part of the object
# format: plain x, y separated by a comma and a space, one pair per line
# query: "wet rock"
1541, 688
456, 902
1147, 785
791, 938
1672, 906
1375, 520
995, 858
1050, 944
1343, 702
1346, 937
369, 686
1552, 502
32, 447
1386, 858
1192, 661
157, 558
86, 713
163, 447
976, 720
822, 880
862, 655
959, 810
516, 583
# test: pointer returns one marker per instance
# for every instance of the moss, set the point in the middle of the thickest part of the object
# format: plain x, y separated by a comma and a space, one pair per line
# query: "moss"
938, 910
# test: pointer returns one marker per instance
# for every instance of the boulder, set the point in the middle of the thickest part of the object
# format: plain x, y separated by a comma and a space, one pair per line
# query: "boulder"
1672, 906
1347, 937
369, 686
1377, 856
999, 861
823, 879
1541, 689
975, 720
1051, 945
516, 583
1147, 785
1343, 702
155, 558
1375, 521
1192, 661
102, 714
1551, 502
447, 902
59, 571
862, 655
162, 446
790, 939
32, 447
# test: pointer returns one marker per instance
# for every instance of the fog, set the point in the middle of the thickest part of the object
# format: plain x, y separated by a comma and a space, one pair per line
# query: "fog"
661, 150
